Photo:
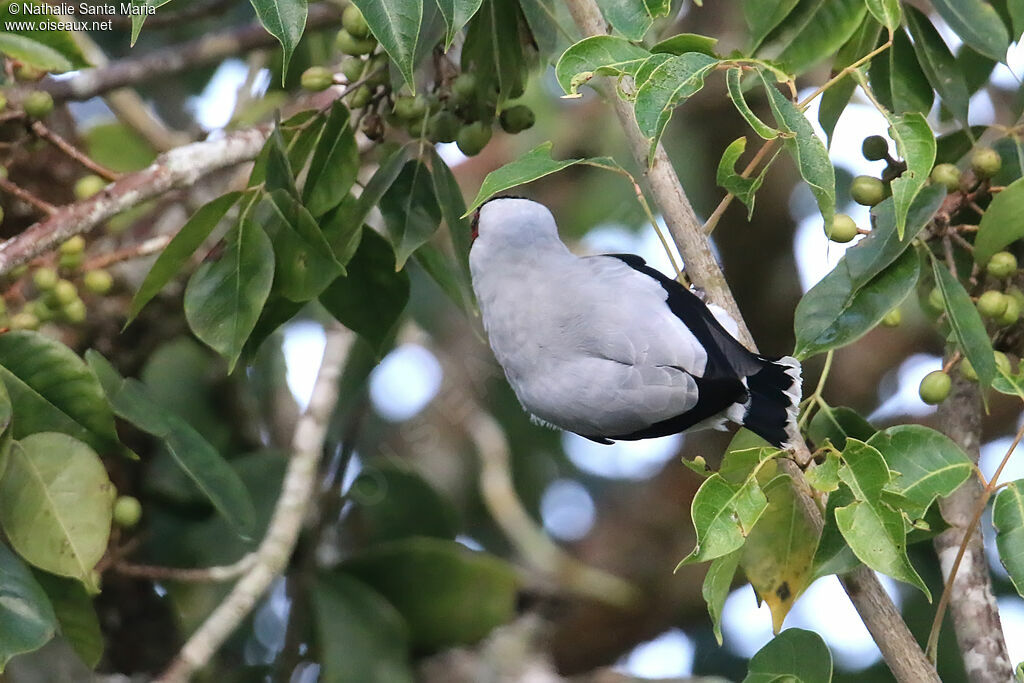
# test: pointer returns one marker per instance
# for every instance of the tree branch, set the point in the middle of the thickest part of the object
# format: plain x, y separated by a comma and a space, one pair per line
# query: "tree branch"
902, 653
178, 168
282, 534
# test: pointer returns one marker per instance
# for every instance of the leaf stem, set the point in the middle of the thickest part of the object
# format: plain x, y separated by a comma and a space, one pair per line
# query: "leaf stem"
844, 73
815, 398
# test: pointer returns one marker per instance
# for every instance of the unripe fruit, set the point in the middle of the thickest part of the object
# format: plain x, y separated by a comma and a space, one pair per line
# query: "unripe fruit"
352, 68
947, 175
986, 162
20, 271
88, 185
1002, 264
25, 72
24, 321
443, 127
70, 261
875, 148
74, 311
75, 245
893, 318
360, 97
1017, 294
98, 281
127, 511
377, 68
1003, 363
354, 22
350, 45
38, 104
45, 279
64, 292
516, 119
1012, 313
935, 387
992, 304
40, 310
3, 172
968, 371
867, 190
473, 137
410, 108
3, 102
843, 229
464, 86
317, 78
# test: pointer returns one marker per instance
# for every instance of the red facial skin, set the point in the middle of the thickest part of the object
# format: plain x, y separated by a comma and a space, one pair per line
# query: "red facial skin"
475, 226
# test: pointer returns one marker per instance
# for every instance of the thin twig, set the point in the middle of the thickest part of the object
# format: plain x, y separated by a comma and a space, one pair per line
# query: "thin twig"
40, 129
716, 215
204, 575
134, 251
27, 197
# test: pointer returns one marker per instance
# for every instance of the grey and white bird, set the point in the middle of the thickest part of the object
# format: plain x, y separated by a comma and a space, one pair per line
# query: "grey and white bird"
610, 348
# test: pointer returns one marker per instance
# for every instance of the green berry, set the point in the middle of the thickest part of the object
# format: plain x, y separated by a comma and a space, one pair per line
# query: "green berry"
410, 108
464, 86
70, 261
350, 45
867, 190
24, 321
3, 102
75, 245
843, 229
74, 311
1003, 363
875, 148
1017, 294
19, 272
360, 97
127, 511
88, 185
98, 281
893, 318
948, 175
352, 68
26, 73
986, 162
378, 70
992, 304
1002, 264
968, 371
936, 300
516, 119
443, 127
1012, 313
64, 292
38, 104
473, 137
317, 78
40, 310
935, 387
3, 172
45, 279
354, 22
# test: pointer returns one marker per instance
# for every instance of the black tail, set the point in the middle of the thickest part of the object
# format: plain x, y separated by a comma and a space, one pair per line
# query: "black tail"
774, 397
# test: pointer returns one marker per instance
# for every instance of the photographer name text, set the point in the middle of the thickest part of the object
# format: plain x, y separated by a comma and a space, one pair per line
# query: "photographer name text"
83, 9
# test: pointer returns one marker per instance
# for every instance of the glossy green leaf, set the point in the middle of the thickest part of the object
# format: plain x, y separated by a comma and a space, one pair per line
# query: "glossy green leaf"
873, 254
794, 654
835, 423
686, 42
370, 299
223, 299
807, 150
723, 515
915, 144
887, 12
194, 455
978, 24
447, 274
449, 595
1001, 224
834, 22
926, 464
864, 470
453, 209
51, 50
647, 67
836, 312
744, 457
6, 413
457, 14
76, 616
551, 26
493, 49
938, 63
396, 24
1008, 520
731, 181
140, 14
52, 390
834, 555
667, 87
180, 249
362, 637
716, 587
56, 504
33, 53
285, 20
304, 261
391, 502
966, 324
279, 174
335, 163
733, 81
597, 56
27, 620
628, 17
911, 91
835, 99
825, 477
410, 210
763, 16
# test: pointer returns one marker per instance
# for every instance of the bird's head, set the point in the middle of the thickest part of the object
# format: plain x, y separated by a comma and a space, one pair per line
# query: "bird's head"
512, 220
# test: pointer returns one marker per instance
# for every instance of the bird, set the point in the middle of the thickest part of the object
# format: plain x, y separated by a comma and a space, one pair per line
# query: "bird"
611, 349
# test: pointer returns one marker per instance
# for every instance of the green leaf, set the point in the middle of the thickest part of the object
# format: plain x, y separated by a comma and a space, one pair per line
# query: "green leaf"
834, 555
56, 504
392, 502
887, 12
410, 210
533, 165
794, 654
966, 323
493, 49
1008, 520
551, 26
978, 24
807, 150
835, 99
779, 553
193, 454
716, 587
667, 87
873, 254
51, 389
285, 20
723, 515
369, 300
396, 24
915, 144
926, 464
911, 91
457, 14
825, 477
1000, 224
304, 261
76, 616
449, 595
763, 16
835, 423
743, 188
836, 312
447, 274
597, 56
829, 28
223, 299
628, 17
51, 50
744, 455
362, 637
180, 249
335, 163
686, 42
938, 63
279, 174
732, 79
864, 470
140, 15
453, 209
27, 621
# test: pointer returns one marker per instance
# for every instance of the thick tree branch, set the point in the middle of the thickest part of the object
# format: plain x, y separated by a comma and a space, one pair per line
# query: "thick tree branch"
178, 168
902, 653
282, 534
